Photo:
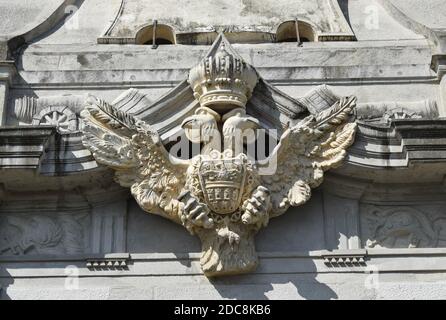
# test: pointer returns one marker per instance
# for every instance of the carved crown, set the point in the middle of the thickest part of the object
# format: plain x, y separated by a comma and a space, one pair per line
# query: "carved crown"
217, 174
222, 80
222, 181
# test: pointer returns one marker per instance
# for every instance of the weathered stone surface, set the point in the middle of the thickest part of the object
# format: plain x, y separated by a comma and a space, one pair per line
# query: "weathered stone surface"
22, 16
244, 16
221, 194
372, 230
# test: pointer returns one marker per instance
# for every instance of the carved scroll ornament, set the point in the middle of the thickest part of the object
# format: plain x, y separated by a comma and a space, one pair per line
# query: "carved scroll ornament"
221, 195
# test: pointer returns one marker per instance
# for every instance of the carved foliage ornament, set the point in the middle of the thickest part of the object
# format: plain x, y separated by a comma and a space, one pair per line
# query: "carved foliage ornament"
221, 195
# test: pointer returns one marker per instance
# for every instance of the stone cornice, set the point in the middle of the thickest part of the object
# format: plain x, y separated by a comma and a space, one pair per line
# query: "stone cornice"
43, 149
393, 62
378, 146
23, 147
7, 70
438, 64
399, 144
154, 264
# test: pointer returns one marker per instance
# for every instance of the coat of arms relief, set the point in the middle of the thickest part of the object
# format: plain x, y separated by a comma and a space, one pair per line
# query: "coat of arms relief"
223, 194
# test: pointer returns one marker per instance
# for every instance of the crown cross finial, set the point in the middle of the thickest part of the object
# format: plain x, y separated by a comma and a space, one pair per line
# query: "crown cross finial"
222, 81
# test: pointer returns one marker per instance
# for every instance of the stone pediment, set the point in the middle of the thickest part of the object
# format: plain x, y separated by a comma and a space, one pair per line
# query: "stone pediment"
272, 107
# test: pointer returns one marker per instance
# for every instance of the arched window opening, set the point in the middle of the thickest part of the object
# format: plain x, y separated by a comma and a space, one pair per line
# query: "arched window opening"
295, 31
156, 34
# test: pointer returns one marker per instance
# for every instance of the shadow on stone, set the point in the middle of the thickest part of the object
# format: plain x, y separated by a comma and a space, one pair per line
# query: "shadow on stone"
154, 234
5, 281
343, 4
269, 287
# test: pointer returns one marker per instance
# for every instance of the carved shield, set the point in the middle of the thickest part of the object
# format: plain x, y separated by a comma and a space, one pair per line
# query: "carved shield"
222, 181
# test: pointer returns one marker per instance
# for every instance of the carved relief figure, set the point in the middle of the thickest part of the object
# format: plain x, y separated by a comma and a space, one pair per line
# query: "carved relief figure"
40, 234
221, 195
403, 227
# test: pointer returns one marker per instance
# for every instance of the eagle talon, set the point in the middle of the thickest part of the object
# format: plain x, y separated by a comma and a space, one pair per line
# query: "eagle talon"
256, 208
194, 213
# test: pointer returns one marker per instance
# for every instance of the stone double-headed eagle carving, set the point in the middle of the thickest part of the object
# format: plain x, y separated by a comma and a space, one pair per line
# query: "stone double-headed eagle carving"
221, 194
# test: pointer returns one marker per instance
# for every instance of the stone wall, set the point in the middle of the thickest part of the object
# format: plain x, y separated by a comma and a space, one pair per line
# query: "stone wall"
375, 229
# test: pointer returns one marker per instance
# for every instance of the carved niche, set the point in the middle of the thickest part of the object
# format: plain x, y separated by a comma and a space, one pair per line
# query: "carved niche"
223, 194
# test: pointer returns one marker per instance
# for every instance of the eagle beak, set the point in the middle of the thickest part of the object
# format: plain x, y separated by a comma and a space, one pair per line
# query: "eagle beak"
254, 121
192, 129
187, 123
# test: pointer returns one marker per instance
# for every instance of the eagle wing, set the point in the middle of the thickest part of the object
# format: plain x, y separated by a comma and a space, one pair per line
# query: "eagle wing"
305, 151
135, 152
